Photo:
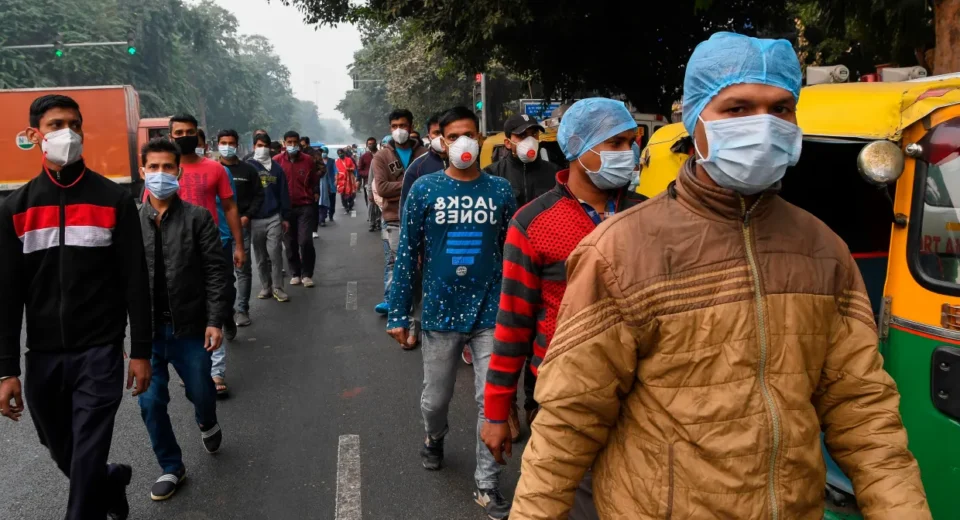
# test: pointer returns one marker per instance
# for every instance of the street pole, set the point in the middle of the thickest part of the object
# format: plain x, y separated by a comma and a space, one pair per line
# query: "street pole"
65, 45
483, 108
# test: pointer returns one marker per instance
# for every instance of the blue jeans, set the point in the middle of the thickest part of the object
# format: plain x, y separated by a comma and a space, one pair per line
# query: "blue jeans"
219, 356
244, 275
390, 234
192, 362
441, 359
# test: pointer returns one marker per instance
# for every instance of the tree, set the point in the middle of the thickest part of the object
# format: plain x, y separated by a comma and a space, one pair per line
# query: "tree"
601, 46
189, 58
862, 34
947, 23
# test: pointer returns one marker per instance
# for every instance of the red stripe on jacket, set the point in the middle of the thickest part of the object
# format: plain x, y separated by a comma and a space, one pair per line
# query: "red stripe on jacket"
43, 217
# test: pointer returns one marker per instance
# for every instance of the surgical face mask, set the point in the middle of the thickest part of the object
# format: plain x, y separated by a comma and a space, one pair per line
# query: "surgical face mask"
528, 149
400, 135
750, 154
62, 147
463, 152
187, 143
200, 151
161, 185
228, 151
292, 150
616, 169
325, 155
261, 154
437, 144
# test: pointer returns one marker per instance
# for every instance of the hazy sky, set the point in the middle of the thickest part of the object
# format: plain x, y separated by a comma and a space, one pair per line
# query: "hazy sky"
311, 55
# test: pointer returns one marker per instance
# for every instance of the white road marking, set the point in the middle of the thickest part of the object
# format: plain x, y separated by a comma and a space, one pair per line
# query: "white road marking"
353, 214
351, 296
348, 478
353, 239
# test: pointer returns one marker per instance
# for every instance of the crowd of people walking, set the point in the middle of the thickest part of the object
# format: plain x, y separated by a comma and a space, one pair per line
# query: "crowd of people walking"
665, 345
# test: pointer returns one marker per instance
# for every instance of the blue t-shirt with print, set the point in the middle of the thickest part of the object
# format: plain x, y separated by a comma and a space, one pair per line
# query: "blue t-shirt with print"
225, 235
460, 227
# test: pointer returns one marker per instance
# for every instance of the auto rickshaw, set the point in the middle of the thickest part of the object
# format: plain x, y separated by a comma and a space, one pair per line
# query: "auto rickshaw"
881, 167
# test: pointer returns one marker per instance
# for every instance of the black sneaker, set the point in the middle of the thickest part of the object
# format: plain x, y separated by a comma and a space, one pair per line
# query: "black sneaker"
492, 501
212, 438
119, 476
431, 454
229, 330
167, 485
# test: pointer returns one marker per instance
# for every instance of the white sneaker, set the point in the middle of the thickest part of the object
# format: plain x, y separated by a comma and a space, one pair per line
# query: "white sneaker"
315, 235
307, 281
295, 280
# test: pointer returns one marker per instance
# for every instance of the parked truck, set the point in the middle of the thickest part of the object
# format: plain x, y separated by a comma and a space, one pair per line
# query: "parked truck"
112, 133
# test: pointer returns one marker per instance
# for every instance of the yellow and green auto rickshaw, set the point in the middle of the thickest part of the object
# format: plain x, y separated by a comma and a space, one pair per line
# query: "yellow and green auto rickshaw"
881, 167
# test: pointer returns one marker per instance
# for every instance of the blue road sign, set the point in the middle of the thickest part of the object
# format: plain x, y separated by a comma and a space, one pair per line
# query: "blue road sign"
537, 109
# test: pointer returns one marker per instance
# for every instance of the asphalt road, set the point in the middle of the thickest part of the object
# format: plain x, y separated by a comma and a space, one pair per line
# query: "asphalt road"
304, 374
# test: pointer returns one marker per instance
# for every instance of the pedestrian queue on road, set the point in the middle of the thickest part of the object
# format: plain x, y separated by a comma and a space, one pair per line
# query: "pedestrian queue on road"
666, 345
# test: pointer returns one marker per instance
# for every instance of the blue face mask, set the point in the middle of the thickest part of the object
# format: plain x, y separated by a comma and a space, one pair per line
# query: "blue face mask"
292, 150
161, 185
750, 154
616, 169
228, 151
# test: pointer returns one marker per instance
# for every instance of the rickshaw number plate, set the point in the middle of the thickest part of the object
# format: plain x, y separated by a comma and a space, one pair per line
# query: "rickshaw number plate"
945, 380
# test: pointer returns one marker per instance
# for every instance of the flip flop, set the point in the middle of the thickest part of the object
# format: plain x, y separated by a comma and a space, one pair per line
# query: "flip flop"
221, 385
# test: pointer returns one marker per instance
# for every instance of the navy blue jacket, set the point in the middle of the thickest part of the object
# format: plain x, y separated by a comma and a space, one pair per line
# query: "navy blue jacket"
276, 195
428, 163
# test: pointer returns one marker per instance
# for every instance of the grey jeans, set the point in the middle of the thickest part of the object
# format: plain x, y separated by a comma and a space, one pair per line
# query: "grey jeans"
267, 238
390, 235
244, 276
441, 359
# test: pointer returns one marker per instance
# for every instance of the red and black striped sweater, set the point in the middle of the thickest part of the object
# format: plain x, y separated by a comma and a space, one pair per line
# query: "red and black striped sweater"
540, 238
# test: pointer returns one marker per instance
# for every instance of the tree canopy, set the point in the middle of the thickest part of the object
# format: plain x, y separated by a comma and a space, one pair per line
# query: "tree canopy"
190, 58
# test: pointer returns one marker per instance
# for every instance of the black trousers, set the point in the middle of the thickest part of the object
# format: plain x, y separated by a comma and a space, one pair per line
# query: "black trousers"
301, 255
73, 399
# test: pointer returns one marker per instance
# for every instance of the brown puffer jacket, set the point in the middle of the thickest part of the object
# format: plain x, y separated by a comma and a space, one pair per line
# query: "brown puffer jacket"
699, 350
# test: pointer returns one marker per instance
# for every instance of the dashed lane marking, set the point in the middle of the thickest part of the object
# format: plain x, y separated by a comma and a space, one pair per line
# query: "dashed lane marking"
353, 239
348, 478
353, 214
351, 296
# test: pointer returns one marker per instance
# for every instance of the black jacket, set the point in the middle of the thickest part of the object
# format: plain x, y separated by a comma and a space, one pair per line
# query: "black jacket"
529, 181
249, 190
73, 257
193, 263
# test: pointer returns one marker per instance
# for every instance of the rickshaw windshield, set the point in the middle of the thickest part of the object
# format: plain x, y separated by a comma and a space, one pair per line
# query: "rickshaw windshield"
935, 230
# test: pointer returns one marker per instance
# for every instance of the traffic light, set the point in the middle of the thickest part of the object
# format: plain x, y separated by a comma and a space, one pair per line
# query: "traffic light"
478, 92
58, 46
131, 43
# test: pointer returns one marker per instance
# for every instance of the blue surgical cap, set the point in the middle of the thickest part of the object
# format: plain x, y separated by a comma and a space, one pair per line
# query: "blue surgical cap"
386, 139
591, 121
729, 59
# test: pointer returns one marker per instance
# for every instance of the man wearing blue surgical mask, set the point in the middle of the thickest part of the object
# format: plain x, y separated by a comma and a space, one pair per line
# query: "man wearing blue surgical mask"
708, 336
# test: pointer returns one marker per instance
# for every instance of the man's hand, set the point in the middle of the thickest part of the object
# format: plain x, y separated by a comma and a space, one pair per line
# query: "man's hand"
399, 334
286, 226
139, 370
239, 257
497, 438
11, 399
316, 197
212, 339
244, 221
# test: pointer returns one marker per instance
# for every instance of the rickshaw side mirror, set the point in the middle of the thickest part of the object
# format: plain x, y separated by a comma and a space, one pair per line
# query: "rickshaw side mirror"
881, 162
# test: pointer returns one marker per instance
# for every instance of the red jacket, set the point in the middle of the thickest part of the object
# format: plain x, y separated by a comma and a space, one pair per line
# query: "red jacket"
540, 238
302, 177
346, 183
365, 161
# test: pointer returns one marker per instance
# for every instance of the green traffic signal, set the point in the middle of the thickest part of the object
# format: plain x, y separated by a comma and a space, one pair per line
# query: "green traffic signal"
131, 50
58, 53
479, 105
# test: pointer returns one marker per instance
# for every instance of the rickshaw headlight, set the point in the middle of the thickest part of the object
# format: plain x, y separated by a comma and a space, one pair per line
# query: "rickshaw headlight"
881, 162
